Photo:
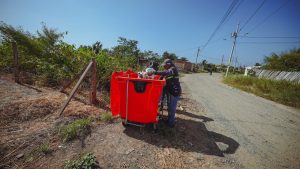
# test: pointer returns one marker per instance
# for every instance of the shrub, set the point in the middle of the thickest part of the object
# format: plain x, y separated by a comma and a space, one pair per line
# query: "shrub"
87, 161
78, 128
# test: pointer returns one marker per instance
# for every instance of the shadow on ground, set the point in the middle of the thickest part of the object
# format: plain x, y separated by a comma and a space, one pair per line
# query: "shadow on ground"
190, 135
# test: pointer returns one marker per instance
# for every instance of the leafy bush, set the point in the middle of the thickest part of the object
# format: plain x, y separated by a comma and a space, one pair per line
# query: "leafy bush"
281, 91
87, 161
77, 128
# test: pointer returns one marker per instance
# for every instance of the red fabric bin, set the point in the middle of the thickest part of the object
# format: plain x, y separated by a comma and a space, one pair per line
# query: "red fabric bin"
143, 97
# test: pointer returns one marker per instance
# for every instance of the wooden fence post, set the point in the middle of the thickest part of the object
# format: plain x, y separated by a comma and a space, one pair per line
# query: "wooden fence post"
93, 91
16, 62
75, 88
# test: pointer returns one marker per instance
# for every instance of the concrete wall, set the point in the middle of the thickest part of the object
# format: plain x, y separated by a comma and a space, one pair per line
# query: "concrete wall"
183, 66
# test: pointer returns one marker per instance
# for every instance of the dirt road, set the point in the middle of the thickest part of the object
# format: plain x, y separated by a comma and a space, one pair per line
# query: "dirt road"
268, 133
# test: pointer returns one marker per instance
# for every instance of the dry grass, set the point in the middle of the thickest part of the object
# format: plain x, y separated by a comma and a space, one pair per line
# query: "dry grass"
28, 121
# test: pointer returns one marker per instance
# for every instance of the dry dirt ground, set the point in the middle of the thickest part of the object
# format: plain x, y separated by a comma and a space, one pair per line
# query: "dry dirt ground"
28, 118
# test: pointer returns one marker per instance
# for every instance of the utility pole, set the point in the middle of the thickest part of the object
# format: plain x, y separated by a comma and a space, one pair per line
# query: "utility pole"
235, 61
222, 59
234, 35
197, 55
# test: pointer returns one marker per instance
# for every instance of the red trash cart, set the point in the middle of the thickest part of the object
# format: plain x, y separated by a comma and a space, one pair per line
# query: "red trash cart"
135, 99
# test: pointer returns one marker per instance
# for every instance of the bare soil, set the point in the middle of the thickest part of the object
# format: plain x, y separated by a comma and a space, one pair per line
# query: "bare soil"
29, 118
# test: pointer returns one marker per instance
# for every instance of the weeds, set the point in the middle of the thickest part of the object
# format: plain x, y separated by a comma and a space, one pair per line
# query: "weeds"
106, 117
43, 148
284, 92
87, 161
78, 128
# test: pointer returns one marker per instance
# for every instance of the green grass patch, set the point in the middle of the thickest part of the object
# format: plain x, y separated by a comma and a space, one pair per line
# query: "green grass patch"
75, 129
281, 91
106, 116
87, 161
44, 148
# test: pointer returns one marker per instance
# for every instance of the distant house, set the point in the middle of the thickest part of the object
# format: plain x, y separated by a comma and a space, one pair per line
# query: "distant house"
144, 62
183, 65
250, 68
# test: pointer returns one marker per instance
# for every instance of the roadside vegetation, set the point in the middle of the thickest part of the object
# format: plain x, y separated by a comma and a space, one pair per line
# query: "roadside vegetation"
87, 161
47, 60
284, 92
106, 117
76, 129
286, 61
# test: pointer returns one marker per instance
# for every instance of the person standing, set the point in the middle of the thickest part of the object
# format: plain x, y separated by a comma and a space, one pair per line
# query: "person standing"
173, 88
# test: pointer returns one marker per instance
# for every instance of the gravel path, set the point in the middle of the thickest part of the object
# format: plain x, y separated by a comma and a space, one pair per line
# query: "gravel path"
268, 132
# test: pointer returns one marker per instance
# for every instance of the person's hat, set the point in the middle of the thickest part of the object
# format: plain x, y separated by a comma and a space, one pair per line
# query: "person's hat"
167, 62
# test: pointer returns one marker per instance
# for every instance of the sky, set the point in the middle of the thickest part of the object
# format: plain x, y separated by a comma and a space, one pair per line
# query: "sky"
177, 26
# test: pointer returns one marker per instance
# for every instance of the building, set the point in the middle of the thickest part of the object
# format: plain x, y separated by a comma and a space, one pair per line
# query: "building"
183, 65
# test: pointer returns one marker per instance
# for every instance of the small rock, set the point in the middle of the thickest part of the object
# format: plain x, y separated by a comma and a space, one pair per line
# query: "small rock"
198, 156
181, 108
191, 144
189, 161
292, 121
20, 156
129, 151
223, 147
62, 146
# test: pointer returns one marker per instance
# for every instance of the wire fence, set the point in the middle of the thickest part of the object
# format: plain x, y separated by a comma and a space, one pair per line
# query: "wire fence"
278, 75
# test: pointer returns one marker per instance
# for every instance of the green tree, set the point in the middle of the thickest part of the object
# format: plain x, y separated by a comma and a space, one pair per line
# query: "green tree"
183, 59
289, 61
126, 48
97, 47
167, 55
257, 64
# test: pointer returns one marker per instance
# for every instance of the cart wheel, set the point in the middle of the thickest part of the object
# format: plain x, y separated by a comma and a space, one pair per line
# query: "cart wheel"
124, 124
155, 128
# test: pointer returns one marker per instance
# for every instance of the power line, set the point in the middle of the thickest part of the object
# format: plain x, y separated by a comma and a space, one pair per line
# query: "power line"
271, 37
221, 38
235, 9
268, 42
197, 55
230, 11
255, 12
224, 18
269, 16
